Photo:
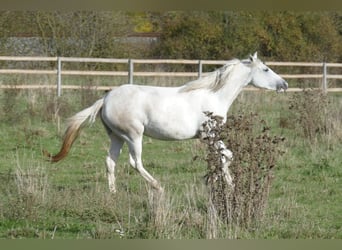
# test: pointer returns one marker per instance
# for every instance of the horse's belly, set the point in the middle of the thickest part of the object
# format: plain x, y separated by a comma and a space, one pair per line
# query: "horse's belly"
170, 131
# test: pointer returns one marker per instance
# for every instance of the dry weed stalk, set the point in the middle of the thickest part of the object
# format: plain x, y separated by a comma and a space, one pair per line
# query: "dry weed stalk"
254, 155
32, 191
310, 111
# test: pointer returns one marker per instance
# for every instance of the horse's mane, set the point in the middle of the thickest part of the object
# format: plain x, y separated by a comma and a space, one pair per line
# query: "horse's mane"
214, 81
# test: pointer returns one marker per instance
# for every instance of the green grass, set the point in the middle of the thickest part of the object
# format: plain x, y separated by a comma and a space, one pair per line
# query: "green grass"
70, 199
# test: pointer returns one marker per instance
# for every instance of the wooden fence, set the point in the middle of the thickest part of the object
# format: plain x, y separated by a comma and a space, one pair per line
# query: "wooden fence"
130, 73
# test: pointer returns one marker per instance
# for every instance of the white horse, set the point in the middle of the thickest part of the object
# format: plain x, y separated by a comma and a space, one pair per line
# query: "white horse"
168, 113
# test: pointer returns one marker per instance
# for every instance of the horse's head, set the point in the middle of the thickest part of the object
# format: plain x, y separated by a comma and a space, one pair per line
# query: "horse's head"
264, 77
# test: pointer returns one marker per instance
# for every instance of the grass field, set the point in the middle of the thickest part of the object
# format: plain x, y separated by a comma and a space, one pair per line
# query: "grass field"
70, 199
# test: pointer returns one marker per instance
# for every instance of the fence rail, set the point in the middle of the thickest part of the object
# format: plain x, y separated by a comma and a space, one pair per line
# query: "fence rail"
130, 73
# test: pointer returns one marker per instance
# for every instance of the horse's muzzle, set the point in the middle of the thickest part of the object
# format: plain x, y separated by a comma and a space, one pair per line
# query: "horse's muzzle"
282, 86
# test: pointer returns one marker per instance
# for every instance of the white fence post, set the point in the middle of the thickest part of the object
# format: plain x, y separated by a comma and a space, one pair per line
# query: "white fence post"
59, 76
131, 70
324, 80
199, 68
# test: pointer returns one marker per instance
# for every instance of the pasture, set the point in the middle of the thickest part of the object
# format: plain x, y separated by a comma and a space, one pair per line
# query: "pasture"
71, 199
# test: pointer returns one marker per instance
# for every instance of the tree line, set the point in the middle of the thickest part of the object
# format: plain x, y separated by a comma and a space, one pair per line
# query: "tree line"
276, 35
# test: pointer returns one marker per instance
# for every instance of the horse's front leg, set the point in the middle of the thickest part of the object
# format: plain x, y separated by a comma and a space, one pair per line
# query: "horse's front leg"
226, 160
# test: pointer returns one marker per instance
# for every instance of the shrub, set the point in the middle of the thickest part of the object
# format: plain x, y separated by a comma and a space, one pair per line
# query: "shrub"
255, 153
309, 111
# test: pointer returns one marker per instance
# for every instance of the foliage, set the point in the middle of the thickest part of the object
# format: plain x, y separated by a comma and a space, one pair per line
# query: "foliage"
309, 111
290, 36
147, 21
73, 33
195, 35
255, 153
277, 35
80, 33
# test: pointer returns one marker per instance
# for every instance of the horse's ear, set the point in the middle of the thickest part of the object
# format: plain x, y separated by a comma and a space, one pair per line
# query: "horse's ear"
252, 58
255, 56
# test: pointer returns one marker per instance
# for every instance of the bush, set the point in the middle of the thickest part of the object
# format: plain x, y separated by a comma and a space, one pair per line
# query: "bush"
255, 153
191, 35
309, 111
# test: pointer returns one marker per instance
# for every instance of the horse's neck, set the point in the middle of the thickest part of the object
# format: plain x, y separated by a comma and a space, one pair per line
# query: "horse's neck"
233, 87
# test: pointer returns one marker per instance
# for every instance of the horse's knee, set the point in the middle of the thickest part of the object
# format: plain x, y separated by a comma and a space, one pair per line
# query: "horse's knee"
110, 165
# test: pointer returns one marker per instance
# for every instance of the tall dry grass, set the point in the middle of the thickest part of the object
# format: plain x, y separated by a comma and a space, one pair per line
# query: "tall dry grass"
314, 116
38, 203
28, 190
310, 112
254, 157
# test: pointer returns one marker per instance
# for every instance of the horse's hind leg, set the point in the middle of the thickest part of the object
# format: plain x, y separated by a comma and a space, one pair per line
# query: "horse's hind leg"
113, 155
135, 150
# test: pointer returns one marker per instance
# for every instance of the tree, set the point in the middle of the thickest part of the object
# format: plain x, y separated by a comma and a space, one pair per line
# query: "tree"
284, 35
277, 35
192, 35
81, 33
322, 38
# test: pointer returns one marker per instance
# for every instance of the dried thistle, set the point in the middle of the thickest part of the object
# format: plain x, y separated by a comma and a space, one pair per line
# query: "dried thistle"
255, 153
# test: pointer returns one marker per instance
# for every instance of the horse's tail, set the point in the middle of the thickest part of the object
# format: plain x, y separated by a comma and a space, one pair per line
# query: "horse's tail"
75, 124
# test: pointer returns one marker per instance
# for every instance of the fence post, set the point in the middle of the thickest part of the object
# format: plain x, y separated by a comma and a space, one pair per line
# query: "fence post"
324, 80
199, 68
59, 76
130, 71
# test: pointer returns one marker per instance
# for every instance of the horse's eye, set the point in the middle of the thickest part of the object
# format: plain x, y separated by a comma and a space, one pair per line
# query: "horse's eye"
266, 69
